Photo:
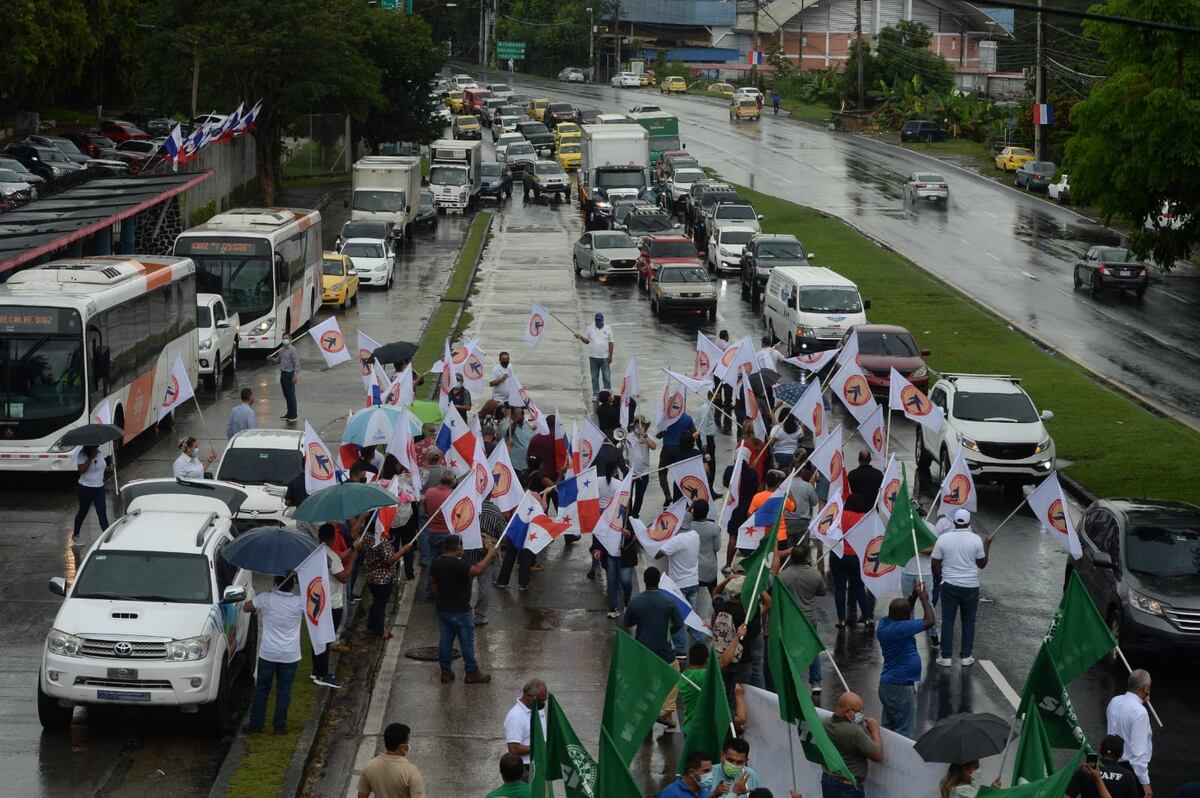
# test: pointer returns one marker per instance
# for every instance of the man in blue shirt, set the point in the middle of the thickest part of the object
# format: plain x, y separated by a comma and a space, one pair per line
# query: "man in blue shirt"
676, 438
901, 664
695, 768
732, 771
657, 618
242, 417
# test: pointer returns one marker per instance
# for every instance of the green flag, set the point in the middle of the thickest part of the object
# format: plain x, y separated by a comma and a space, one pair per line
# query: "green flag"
1053, 786
560, 758
814, 740
791, 633
615, 780
638, 683
1045, 692
1035, 756
757, 566
1078, 635
706, 728
897, 546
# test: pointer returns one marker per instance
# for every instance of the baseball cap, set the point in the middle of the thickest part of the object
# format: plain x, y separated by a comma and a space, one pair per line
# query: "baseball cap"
962, 517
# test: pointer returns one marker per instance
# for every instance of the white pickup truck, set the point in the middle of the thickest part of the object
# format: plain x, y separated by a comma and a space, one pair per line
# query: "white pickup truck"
218, 333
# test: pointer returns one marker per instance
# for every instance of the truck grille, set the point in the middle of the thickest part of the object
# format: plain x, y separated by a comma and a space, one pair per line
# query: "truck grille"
138, 650
1187, 620
1007, 451
830, 332
124, 684
621, 265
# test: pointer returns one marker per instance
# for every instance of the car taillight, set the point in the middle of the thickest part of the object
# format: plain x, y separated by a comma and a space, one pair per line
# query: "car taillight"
942, 186
1145, 271
1103, 270
1037, 177
922, 185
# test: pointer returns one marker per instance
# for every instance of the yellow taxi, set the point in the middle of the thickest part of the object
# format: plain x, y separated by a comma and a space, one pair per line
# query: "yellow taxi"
569, 154
743, 108
1011, 159
454, 101
537, 108
644, 79
466, 127
567, 132
723, 89
673, 84
339, 280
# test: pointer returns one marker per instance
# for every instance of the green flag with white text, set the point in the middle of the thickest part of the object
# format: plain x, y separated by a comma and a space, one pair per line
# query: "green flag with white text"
814, 740
897, 546
638, 683
1045, 692
791, 633
615, 780
706, 728
1035, 756
1078, 636
1053, 786
757, 567
560, 758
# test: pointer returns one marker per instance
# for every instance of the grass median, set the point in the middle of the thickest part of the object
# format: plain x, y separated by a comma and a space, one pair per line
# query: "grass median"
1115, 446
443, 322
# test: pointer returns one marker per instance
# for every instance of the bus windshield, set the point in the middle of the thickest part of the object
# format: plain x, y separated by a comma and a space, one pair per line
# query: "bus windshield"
664, 143
41, 383
237, 269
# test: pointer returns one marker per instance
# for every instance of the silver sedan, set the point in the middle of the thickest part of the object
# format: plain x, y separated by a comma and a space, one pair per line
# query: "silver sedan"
604, 253
926, 187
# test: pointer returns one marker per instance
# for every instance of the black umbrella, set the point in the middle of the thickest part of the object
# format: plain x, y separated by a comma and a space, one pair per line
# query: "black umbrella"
963, 738
396, 352
269, 550
92, 435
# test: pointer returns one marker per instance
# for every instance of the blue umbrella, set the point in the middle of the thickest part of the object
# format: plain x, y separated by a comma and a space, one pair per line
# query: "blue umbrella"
373, 426
789, 392
269, 550
339, 502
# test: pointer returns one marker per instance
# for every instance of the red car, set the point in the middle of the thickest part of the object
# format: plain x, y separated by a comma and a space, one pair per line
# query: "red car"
119, 130
657, 251
883, 347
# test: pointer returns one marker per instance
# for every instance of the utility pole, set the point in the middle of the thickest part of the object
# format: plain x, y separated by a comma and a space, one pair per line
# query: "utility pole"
617, 35
754, 46
862, 93
591, 55
1039, 90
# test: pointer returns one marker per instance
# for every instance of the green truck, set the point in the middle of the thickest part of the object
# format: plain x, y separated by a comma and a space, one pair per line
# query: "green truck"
664, 132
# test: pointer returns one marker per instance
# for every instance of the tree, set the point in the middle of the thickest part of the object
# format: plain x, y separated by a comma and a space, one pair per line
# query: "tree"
903, 51
401, 47
1137, 141
555, 32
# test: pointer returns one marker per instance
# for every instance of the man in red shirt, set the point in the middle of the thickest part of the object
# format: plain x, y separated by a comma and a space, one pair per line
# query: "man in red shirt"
432, 539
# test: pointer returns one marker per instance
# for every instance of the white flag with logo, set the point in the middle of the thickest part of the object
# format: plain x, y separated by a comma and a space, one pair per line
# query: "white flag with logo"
958, 487
403, 446
753, 411
708, 357
629, 390
178, 390
1049, 504
506, 490
812, 361
691, 383
903, 395
401, 392
461, 512
849, 384
827, 456
320, 469
103, 414
733, 494
866, 537
873, 434
736, 360
539, 317
588, 444
612, 521
519, 397
312, 575
670, 406
691, 478
810, 410
330, 341
889, 489
366, 346
826, 526
849, 351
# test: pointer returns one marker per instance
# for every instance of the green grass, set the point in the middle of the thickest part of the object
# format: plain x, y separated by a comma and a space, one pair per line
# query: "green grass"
1115, 446
442, 323
316, 180
263, 767
976, 152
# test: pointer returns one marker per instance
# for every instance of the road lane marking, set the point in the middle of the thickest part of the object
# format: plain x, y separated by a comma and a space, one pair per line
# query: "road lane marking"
993, 257
1030, 276
965, 241
1002, 684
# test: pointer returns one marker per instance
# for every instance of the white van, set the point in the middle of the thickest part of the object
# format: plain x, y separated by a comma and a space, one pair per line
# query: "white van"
811, 307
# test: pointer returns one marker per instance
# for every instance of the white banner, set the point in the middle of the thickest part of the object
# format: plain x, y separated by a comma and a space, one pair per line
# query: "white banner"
312, 575
330, 341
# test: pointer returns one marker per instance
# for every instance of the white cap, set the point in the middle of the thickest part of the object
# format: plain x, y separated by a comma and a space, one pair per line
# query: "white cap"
962, 517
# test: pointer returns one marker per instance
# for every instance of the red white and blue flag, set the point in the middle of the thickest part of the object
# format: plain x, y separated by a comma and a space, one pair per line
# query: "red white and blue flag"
366, 346
173, 147
579, 501
690, 618
754, 57
530, 528
1043, 114
456, 441
765, 518
230, 124
246, 123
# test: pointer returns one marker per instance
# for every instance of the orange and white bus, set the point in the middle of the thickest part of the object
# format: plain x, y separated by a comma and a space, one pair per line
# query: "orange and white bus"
80, 332
265, 262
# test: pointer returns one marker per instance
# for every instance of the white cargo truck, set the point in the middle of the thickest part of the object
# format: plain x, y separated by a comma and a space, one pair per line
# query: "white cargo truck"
387, 188
454, 173
615, 165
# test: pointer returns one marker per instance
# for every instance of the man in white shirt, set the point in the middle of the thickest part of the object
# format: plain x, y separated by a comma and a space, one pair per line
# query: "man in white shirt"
599, 340
1129, 720
682, 551
958, 556
499, 379
282, 612
918, 568
518, 721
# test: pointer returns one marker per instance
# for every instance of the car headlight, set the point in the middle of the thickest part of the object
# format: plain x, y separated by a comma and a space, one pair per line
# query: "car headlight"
264, 326
206, 345
63, 644
968, 443
602, 258
1145, 603
923, 371
601, 203
806, 332
1043, 446
188, 650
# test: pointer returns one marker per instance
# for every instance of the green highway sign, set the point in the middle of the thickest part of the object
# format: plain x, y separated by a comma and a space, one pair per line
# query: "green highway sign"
510, 49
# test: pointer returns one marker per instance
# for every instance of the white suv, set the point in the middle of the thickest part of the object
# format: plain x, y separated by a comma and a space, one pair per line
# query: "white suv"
154, 616
264, 461
1002, 434
218, 334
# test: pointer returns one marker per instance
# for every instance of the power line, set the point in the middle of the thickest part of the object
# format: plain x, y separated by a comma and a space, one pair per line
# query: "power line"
1067, 12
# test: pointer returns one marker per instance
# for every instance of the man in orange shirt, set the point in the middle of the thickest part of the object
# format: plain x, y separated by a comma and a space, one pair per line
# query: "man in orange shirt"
771, 484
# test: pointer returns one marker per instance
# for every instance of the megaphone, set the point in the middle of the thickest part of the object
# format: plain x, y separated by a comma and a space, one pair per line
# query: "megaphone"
618, 435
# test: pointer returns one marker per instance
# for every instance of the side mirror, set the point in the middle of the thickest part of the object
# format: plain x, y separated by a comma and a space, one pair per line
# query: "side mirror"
1047, 415
761, 217
234, 593
208, 475
1100, 559
351, 272
345, 203
791, 303
223, 324
58, 586
866, 304
811, 255
924, 353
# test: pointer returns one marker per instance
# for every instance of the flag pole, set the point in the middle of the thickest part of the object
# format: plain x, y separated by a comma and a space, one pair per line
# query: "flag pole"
1007, 519
887, 436
563, 323
837, 670
199, 412
1149, 706
1007, 740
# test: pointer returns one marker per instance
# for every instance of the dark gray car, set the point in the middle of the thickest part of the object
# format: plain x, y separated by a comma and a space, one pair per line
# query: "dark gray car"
1035, 175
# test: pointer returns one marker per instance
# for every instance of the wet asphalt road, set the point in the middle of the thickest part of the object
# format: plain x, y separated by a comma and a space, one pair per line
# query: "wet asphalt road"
1013, 251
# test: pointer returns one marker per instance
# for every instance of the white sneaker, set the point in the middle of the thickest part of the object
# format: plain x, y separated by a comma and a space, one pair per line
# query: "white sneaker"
967, 661
945, 662
613, 614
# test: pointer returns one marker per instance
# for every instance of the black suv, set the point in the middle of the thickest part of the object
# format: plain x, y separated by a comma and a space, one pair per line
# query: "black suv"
923, 130
762, 253
537, 134
701, 197
1141, 566
560, 112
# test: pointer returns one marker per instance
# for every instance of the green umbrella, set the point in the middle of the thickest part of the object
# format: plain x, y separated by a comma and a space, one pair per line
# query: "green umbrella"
427, 412
339, 502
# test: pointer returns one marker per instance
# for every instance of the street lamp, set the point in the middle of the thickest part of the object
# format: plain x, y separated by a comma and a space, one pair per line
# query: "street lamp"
195, 43
591, 34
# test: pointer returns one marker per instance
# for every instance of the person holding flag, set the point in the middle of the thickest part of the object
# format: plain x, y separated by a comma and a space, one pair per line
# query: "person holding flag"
958, 557
289, 374
452, 583
599, 340
901, 673
656, 618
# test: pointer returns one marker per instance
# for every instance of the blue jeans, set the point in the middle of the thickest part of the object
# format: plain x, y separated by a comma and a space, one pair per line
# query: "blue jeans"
814, 671
757, 650
462, 626
283, 674
846, 571
679, 640
833, 787
288, 386
907, 583
957, 599
89, 497
899, 708
600, 368
619, 581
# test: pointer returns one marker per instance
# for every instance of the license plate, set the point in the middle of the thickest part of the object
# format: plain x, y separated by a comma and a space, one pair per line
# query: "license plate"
1124, 273
123, 673
114, 695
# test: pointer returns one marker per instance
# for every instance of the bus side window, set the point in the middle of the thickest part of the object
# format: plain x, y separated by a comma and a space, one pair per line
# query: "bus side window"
97, 359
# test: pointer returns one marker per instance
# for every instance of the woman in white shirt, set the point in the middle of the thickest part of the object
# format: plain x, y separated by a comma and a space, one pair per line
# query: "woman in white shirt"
187, 464
92, 470
784, 438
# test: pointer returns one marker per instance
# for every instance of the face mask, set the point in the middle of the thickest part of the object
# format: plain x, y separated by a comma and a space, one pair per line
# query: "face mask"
287, 341
732, 771
858, 718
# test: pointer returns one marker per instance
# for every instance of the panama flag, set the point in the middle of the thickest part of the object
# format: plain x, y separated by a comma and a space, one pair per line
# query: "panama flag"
765, 519
380, 386
827, 456
330, 341
231, 123
366, 346
708, 355
456, 441
810, 410
667, 585
733, 496
103, 414
530, 528
461, 513
753, 411
320, 469
579, 501
173, 146
246, 123
903, 395
506, 490
1043, 114
178, 390
539, 317
754, 57
827, 525
588, 444
1049, 504
866, 538
691, 478
873, 434
849, 384
812, 361
958, 487
629, 390
612, 521
889, 488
